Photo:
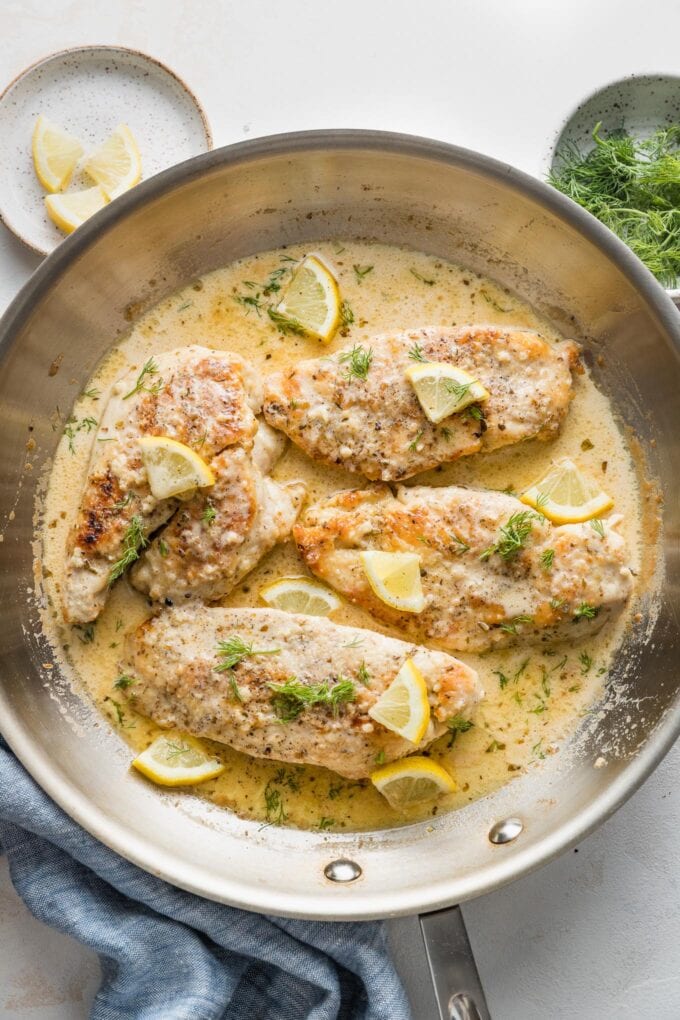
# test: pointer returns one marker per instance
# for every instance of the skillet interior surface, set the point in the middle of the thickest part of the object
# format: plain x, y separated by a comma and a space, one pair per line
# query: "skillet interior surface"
258, 195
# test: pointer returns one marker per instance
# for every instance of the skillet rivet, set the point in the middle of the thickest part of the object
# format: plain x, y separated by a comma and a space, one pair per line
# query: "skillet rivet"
505, 831
342, 870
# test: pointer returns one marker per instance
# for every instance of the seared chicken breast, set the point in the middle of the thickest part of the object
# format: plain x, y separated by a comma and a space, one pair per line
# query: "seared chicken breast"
371, 421
203, 398
217, 537
493, 572
176, 661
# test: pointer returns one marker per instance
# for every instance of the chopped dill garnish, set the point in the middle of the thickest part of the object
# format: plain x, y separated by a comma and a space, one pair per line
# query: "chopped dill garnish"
495, 745
503, 678
293, 697
416, 353
585, 611
597, 526
274, 807
513, 535
423, 279
72, 427
209, 514
511, 626
556, 603
457, 724
176, 750
358, 362
547, 559
93, 393
346, 314
361, 272
273, 284
461, 546
134, 540
285, 324
379, 759
120, 714
124, 681
149, 369
125, 501
85, 632
633, 186
586, 663
492, 301
235, 688
457, 390
413, 445
538, 750
234, 650
183, 307
325, 823
163, 548
363, 675
249, 301
354, 643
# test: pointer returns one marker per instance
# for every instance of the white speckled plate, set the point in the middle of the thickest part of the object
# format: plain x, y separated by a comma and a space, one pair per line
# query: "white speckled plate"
89, 91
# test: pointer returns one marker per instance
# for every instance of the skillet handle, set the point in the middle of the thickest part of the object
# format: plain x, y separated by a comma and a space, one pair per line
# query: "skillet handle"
457, 986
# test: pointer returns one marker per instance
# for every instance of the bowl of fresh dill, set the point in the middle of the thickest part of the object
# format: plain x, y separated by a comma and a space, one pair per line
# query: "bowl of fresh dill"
618, 156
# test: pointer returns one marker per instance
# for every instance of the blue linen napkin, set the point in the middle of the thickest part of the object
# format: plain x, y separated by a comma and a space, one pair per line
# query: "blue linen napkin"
170, 955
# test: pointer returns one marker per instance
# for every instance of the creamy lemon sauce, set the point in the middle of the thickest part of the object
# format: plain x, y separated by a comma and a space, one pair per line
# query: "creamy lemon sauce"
535, 697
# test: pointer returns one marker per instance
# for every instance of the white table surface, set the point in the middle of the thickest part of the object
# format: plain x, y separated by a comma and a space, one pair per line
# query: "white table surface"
595, 934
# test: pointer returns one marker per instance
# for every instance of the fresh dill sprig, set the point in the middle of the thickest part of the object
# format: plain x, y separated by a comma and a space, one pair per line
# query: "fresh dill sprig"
134, 540
361, 272
457, 724
460, 545
285, 324
585, 611
547, 559
423, 279
325, 823
93, 393
73, 427
293, 697
124, 681
163, 548
358, 362
513, 535
124, 501
633, 186
209, 514
457, 390
510, 627
363, 676
234, 650
413, 445
249, 301
598, 526
416, 353
149, 369
346, 315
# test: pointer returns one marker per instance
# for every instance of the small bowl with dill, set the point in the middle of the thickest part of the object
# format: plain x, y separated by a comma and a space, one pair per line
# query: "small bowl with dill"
618, 156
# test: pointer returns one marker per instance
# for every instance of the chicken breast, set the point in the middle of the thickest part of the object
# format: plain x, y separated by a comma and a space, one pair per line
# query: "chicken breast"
174, 660
375, 425
493, 571
205, 399
217, 537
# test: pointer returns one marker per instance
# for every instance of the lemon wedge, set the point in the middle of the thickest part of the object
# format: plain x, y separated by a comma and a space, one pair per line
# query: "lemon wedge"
444, 389
312, 299
395, 579
70, 210
404, 707
173, 468
55, 154
566, 496
299, 595
175, 759
412, 781
117, 165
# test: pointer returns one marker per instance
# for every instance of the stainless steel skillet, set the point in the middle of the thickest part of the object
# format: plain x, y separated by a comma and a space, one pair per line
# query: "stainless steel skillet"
257, 195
